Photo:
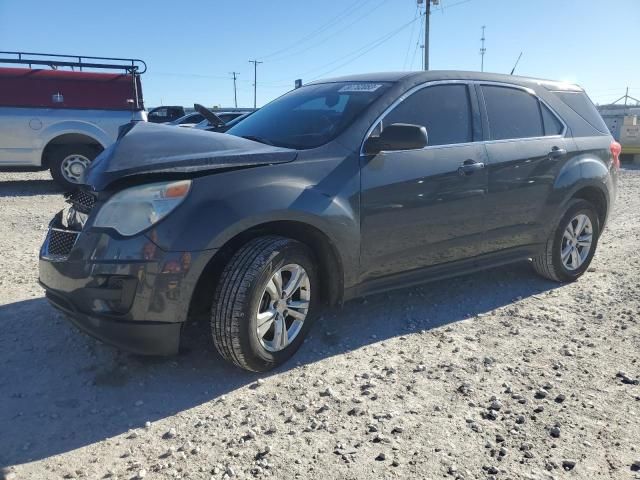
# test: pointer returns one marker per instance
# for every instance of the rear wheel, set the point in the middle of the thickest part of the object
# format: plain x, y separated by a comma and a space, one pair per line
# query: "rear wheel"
570, 248
264, 303
68, 163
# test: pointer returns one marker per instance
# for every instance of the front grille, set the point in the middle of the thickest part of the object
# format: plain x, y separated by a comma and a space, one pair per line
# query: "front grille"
82, 200
61, 241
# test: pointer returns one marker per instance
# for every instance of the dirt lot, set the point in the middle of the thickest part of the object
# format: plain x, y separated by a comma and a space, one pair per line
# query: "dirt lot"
494, 375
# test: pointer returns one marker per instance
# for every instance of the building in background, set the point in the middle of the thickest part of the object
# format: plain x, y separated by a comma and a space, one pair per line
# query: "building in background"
623, 120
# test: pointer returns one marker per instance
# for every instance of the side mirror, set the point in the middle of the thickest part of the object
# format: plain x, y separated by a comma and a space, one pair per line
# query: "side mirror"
398, 136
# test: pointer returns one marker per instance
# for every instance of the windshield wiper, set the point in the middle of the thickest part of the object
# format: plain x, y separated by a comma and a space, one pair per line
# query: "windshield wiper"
258, 139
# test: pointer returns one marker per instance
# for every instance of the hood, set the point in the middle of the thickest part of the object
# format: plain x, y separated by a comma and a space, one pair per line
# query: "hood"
148, 148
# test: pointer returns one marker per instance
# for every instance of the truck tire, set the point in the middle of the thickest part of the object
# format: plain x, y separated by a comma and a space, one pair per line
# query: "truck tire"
571, 246
264, 303
67, 164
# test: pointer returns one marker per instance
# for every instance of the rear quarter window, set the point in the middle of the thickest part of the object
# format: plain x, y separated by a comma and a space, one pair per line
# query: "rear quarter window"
580, 103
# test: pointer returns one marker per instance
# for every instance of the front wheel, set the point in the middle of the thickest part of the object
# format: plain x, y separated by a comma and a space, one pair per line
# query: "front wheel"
264, 303
570, 248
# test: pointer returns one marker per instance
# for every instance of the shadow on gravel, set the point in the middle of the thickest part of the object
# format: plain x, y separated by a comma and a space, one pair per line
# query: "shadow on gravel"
28, 188
61, 390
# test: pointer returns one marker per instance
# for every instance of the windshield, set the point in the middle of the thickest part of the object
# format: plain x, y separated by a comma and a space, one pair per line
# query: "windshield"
309, 116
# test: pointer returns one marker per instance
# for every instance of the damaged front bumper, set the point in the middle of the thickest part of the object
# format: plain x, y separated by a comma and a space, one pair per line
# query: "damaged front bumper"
125, 291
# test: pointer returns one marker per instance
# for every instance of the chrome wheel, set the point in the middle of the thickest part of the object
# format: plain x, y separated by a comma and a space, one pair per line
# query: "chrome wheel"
283, 307
576, 242
73, 168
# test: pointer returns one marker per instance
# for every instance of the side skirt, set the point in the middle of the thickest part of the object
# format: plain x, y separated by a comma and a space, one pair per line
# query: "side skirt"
439, 272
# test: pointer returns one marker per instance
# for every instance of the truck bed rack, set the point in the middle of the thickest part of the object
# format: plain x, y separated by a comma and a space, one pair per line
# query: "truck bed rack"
133, 66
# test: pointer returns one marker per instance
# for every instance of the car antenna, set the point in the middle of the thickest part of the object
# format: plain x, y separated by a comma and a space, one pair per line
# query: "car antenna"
514, 67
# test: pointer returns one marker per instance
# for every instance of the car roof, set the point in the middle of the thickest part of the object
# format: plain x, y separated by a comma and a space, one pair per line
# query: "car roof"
436, 75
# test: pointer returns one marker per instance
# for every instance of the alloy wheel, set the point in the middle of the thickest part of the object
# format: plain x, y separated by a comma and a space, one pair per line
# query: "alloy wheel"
576, 242
283, 307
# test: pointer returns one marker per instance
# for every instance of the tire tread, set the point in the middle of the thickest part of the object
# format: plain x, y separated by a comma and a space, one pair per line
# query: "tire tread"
232, 293
543, 263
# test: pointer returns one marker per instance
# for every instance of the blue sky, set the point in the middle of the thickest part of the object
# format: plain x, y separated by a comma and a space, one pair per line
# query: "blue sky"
191, 47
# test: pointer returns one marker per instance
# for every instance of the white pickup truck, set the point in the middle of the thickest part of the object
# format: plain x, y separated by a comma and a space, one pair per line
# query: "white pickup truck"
59, 119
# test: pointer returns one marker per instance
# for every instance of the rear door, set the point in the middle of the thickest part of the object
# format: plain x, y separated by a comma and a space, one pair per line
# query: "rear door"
526, 148
417, 207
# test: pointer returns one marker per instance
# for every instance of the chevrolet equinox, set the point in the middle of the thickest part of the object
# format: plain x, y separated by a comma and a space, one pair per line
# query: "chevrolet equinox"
338, 189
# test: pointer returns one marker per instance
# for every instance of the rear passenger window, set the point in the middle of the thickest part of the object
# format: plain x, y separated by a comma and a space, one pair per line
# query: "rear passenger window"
444, 110
512, 113
552, 126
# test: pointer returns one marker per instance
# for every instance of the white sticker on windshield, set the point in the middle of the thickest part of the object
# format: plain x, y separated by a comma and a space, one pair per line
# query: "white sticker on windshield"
360, 87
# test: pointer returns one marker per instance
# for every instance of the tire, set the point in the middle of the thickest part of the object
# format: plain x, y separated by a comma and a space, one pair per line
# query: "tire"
549, 262
242, 292
60, 157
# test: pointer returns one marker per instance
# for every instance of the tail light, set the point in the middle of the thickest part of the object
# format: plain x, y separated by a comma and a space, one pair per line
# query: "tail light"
616, 149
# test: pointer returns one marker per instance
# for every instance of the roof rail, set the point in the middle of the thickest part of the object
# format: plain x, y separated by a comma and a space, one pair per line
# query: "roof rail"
130, 65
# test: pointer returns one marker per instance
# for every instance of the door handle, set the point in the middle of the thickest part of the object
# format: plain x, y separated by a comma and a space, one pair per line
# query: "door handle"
469, 167
557, 152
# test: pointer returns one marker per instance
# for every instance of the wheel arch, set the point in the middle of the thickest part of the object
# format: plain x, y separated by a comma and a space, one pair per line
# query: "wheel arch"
331, 269
70, 138
597, 198
588, 178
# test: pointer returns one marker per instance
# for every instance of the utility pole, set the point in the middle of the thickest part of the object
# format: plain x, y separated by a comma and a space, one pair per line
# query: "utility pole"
427, 16
482, 50
235, 90
255, 81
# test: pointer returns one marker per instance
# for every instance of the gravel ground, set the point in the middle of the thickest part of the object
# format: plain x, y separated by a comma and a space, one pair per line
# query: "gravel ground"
495, 375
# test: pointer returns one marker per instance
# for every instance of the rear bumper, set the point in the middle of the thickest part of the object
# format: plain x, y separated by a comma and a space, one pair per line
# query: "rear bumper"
143, 338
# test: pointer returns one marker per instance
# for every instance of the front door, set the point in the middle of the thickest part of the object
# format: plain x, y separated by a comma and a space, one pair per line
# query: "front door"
425, 207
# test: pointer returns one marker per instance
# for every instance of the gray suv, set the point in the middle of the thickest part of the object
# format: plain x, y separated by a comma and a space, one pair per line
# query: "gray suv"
341, 188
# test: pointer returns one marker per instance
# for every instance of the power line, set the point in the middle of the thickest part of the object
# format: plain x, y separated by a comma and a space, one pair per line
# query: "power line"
443, 7
427, 15
368, 48
195, 75
325, 26
413, 57
322, 41
377, 41
406, 55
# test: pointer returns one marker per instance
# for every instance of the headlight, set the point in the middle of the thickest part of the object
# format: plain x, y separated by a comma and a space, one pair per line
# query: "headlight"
137, 208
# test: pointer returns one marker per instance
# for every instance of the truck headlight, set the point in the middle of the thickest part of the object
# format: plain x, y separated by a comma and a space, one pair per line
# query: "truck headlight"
137, 208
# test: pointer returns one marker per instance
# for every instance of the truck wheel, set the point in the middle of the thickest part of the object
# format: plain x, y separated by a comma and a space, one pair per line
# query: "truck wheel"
68, 163
570, 248
264, 303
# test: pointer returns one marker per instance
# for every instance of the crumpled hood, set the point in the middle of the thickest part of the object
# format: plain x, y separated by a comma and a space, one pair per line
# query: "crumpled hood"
149, 148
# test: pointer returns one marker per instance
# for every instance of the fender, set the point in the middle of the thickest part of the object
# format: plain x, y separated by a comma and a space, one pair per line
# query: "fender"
77, 127
219, 211
582, 171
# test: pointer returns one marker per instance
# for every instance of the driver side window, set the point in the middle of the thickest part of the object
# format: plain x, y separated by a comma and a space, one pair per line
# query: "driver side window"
444, 110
